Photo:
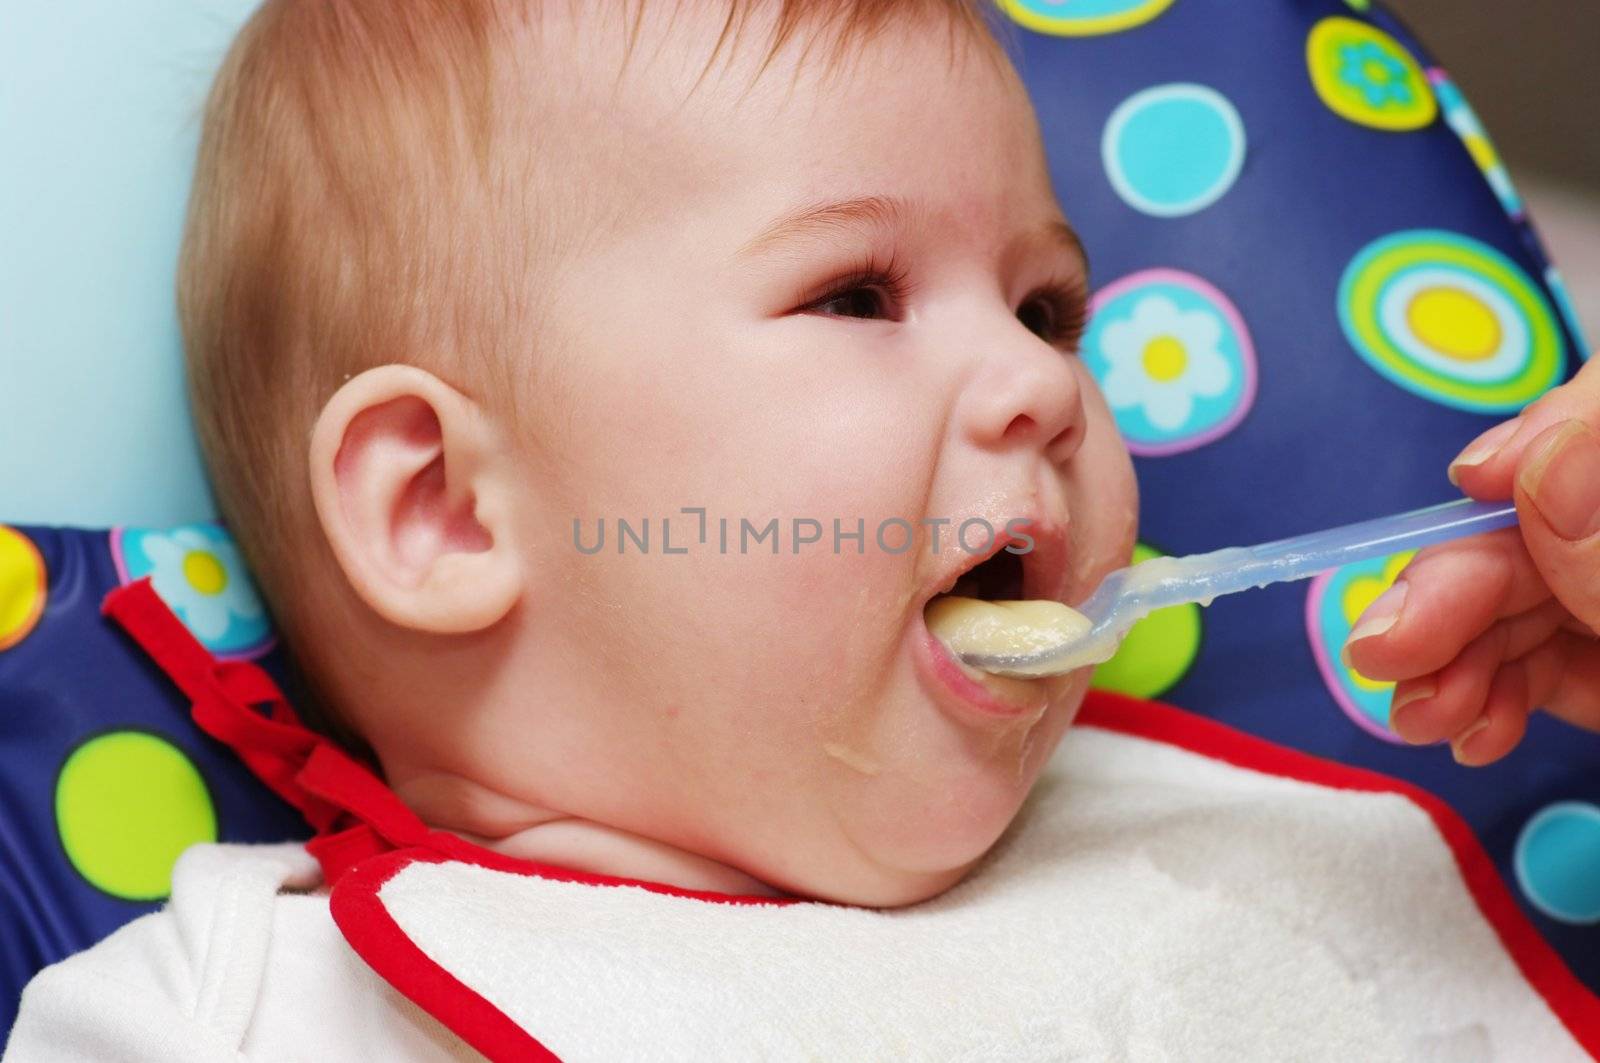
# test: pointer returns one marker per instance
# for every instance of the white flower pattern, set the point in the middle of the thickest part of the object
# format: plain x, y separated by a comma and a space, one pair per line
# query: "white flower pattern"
1160, 358
203, 580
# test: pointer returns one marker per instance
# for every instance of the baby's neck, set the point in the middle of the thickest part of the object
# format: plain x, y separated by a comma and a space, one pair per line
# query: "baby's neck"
527, 832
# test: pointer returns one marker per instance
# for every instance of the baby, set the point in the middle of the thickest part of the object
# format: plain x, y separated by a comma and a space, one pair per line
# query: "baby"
514, 326
616, 404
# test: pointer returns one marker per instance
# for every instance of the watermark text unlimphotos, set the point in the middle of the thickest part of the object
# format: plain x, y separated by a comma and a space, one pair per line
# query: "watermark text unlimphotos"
692, 529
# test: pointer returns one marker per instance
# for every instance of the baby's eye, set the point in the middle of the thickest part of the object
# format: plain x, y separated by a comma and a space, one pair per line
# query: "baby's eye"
872, 291
857, 302
1055, 315
1038, 318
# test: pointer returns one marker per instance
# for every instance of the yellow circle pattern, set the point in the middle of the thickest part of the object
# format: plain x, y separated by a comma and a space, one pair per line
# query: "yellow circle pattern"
1448, 343
204, 572
127, 803
1366, 76
1043, 16
1455, 323
1360, 594
22, 586
1164, 358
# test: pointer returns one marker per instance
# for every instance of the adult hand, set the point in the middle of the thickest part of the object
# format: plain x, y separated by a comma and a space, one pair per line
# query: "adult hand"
1478, 632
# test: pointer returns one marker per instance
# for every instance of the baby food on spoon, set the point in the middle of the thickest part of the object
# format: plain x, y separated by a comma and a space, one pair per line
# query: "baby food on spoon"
972, 625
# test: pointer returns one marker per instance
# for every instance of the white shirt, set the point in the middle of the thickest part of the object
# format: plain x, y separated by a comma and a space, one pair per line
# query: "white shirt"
240, 964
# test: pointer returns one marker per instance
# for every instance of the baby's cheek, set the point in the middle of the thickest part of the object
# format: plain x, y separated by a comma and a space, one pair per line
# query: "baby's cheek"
848, 582
1104, 503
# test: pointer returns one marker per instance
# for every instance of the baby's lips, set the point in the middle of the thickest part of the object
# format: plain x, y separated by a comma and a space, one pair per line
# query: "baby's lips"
1044, 565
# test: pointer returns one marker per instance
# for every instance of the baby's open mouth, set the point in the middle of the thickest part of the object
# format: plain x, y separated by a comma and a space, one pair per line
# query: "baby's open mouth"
985, 613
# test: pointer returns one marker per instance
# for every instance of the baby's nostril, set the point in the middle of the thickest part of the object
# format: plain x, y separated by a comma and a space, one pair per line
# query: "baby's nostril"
1062, 444
1021, 425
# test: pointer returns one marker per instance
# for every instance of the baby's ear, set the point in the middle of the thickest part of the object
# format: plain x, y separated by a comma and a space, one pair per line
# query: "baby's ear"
410, 482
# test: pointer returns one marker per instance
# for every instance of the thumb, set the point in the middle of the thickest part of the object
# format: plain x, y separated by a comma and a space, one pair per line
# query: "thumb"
1558, 504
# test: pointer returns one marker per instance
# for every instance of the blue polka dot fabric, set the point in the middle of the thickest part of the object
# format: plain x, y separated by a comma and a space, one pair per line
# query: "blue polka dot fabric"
1314, 282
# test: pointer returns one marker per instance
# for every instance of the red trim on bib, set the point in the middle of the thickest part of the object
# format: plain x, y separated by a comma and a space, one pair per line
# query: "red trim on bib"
369, 928
365, 835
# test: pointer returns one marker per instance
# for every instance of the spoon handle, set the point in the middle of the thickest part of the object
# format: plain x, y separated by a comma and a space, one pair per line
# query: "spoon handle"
1239, 568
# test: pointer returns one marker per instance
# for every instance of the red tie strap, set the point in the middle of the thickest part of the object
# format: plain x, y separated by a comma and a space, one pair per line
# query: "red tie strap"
352, 812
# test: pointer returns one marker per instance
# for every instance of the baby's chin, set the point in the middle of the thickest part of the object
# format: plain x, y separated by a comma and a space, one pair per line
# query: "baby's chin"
870, 879
920, 826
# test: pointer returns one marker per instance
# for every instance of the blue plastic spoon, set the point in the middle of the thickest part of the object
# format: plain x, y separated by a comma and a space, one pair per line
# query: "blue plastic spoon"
1129, 594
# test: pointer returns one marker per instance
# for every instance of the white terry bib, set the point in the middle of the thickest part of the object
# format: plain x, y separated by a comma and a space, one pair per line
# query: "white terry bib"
1148, 903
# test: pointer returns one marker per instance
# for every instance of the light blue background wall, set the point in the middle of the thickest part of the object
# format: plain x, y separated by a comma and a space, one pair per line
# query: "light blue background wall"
99, 105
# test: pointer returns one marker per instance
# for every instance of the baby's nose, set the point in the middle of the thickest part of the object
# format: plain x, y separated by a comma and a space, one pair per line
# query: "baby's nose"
1026, 393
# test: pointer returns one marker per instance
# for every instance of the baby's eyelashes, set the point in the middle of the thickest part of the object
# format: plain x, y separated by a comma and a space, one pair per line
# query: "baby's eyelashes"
1056, 313
870, 291
857, 302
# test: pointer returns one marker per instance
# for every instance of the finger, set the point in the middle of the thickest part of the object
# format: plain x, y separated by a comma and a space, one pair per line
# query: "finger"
1558, 507
1564, 679
1433, 708
1503, 722
1448, 595
1527, 631
1454, 694
1485, 467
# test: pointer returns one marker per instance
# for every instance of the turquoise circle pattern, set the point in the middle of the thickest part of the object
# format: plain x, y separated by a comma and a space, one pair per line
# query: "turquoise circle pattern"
1173, 149
1557, 861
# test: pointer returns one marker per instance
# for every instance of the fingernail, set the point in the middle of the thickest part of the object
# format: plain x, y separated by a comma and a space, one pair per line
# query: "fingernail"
1415, 692
1458, 745
1379, 617
1564, 482
1484, 447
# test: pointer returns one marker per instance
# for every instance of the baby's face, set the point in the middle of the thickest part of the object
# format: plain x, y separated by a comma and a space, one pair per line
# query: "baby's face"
847, 301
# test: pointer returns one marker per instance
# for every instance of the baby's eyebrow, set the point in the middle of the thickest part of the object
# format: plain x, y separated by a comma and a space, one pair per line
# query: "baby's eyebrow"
881, 212
866, 212
1058, 232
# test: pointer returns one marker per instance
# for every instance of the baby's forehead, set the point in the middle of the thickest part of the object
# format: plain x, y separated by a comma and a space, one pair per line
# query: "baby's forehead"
679, 97
670, 59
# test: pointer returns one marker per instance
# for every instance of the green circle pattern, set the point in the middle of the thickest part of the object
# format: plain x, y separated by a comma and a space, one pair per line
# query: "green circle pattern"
1158, 651
127, 803
1361, 291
